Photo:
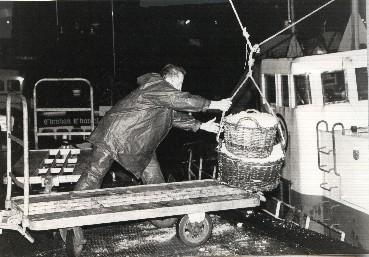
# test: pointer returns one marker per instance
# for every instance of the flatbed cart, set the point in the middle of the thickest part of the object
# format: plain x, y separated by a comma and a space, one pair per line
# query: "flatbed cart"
69, 211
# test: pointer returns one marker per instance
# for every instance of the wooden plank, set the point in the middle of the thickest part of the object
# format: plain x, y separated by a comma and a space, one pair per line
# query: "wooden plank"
141, 211
66, 151
64, 133
67, 170
76, 109
129, 199
60, 178
135, 197
118, 190
61, 161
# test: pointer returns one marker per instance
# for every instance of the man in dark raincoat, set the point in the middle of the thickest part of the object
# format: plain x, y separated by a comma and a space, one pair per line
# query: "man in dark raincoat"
132, 130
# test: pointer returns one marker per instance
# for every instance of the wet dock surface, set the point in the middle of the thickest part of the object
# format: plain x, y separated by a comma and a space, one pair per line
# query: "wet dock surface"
234, 233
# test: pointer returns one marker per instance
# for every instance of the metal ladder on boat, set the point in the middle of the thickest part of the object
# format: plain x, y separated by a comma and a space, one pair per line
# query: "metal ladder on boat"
299, 218
329, 163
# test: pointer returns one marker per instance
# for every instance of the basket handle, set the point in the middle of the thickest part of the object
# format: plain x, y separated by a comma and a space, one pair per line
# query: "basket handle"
249, 118
252, 111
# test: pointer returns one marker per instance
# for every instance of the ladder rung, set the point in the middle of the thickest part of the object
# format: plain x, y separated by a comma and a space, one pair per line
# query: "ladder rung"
324, 152
322, 167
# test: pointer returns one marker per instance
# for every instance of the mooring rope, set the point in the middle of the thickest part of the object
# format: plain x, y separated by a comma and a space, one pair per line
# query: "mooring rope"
296, 22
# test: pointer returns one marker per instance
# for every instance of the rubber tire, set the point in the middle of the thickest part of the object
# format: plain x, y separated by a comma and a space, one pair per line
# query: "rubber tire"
181, 231
164, 223
73, 250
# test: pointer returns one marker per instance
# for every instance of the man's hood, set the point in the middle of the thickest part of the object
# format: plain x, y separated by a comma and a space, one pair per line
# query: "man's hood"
148, 77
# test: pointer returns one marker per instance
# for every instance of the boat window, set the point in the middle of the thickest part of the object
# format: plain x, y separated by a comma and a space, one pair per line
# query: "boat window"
302, 89
362, 83
334, 86
13, 86
285, 95
270, 88
2, 87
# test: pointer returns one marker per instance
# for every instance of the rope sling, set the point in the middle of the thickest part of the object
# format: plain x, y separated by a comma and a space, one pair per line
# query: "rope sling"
249, 59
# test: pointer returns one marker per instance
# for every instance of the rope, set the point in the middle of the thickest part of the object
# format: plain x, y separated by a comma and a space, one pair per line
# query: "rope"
246, 54
235, 13
270, 109
293, 24
255, 49
221, 123
244, 32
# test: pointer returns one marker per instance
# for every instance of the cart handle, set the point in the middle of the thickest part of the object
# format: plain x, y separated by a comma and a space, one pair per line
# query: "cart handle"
9, 139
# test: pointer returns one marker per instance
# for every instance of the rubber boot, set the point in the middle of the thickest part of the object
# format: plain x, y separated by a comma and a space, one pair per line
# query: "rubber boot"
100, 163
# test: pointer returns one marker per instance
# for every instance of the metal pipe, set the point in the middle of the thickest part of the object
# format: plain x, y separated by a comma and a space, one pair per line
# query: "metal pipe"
35, 114
355, 24
214, 172
334, 146
200, 168
277, 209
307, 223
367, 48
114, 53
189, 165
289, 11
57, 20
320, 166
25, 154
8, 152
26, 158
292, 6
35, 109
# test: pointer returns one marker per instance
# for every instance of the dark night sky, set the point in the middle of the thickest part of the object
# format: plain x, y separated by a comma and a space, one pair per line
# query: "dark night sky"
210, 47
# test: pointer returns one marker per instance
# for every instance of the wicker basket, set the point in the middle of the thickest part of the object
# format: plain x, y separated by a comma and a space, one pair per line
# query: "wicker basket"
251, 176
250, 142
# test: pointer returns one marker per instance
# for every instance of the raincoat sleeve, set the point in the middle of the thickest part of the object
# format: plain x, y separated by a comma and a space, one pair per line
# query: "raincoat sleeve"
185, 121
163, 94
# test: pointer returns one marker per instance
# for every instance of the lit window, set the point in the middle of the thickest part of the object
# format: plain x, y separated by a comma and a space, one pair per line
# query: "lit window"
270, 88
302, 89
362, 83
285, 95
334, 89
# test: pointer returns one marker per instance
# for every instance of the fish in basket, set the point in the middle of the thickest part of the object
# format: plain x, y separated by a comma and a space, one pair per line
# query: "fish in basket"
250, 133
253, 174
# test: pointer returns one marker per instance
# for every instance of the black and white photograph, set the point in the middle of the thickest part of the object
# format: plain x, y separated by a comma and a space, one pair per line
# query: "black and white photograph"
181, 128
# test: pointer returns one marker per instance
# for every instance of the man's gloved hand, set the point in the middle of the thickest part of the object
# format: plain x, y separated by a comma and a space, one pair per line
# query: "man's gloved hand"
210, 126
222, 105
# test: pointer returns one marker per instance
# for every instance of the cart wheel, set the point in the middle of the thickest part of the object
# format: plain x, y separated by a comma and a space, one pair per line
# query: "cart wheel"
164, 223
196, 233
74, 244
